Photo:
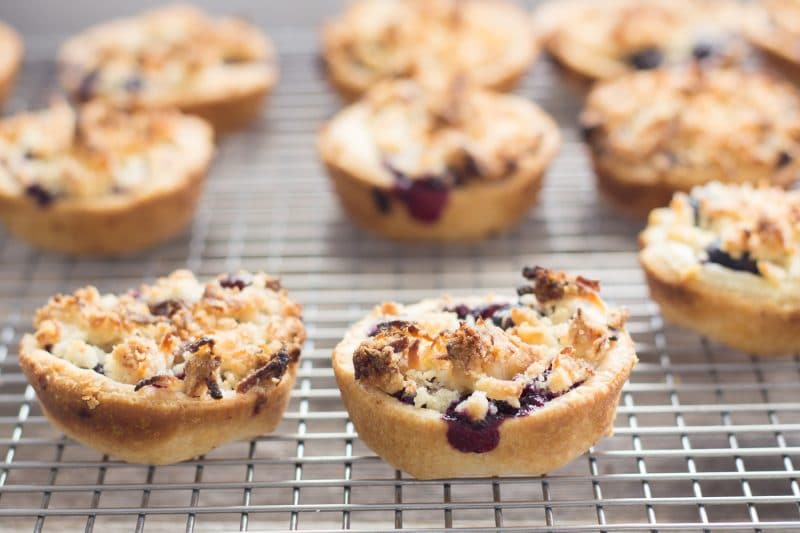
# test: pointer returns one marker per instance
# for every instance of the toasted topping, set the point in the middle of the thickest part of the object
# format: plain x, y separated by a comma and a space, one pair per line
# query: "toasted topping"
435, 40
202, 340
685, 126
736, 227
420, 140
609, 38
440, 354
175, 55
58, 153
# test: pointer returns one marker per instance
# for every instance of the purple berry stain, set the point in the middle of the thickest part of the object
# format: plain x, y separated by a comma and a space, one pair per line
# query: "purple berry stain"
425, 197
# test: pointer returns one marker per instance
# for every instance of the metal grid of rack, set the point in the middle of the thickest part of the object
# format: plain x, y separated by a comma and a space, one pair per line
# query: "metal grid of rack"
705, 438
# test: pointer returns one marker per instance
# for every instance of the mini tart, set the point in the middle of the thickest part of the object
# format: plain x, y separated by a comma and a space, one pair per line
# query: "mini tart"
603, 39
101, 181
653, 133
725, 262
414, 162
774, 27
174, 56
10, 59
489, 42
487, 387
169, 371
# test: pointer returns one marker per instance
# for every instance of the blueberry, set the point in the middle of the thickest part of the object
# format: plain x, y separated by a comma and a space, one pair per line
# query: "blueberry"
745, 263
39, 194
645, 59
784, 159
382, 201
236, 281
425, 198
702, 50
133, 84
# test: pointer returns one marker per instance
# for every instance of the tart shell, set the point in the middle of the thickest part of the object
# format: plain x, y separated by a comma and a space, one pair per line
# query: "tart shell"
149, 426
633, 199
501, 206
415, 440
13, 49
721, 313
105, 226
232, 113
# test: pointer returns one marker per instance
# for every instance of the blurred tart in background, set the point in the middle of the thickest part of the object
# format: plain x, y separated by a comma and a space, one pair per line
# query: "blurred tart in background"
99, 180
174, 56
11, 51
724, 260
601, 39
413, 162
374, 40
656, 132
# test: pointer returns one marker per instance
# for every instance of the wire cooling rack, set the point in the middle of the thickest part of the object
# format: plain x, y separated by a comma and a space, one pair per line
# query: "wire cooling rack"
705, 438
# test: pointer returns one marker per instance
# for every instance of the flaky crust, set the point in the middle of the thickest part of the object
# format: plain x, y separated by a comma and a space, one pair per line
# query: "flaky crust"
360, 155
149, 426
234, 99
415, 440
11, 51
427, 39
651, 134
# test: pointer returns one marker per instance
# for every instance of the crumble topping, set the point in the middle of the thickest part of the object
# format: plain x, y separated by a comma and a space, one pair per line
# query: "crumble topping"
226, 336
737, 227
63, 152
403, 130
430, 39
678, 125
477, 358
613, 37
173, 55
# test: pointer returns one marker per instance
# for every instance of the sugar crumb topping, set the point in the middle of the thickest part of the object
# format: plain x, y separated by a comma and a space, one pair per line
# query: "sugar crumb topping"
743, 126
441, 353
738, 227
233, 333
64, 152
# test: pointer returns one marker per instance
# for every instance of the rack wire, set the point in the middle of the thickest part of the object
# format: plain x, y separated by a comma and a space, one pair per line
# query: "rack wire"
705, 438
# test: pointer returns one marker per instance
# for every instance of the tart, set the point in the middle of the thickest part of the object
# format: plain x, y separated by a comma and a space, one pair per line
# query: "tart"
174, 56
417, 162
169, 371
724, 260
10, 59
656, 132
487, 386
98, 180
603, 39
774, 27
489, 42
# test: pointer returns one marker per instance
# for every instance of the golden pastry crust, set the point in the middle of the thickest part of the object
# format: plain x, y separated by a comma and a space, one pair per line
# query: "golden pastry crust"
169, 371
101, 181
725, 261
653, 133
415, 163
603, 39
174, 56
774, 26
486, 387
434, 40
11, 51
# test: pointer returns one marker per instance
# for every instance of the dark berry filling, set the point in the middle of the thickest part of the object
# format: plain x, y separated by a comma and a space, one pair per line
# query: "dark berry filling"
166, 308
498, 313
380, 327
40, 195
133, 84
382, 201
745, 263
645, 59
784, 159
238, 281
99, 368
87, 86
425, 197
702, 50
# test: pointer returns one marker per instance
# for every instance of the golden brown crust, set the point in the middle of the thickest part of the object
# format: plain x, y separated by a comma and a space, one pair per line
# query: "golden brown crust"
433, 40
755, 327
150, 428
104, 227
12, 50
230, 114
772, 25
